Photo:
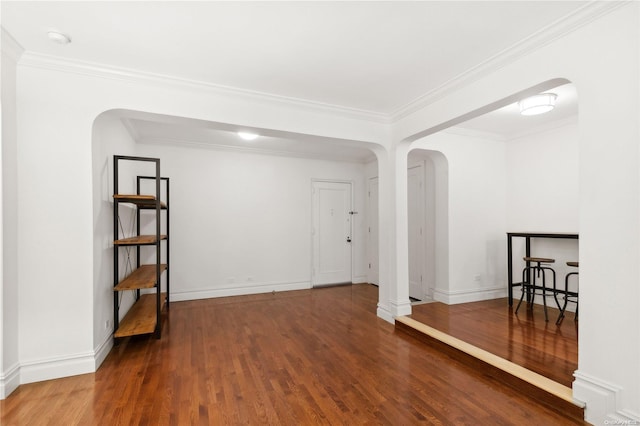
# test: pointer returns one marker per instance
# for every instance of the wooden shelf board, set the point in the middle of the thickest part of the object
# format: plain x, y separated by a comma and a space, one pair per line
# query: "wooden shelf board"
140, 240
143, 277
142, 201
141, 318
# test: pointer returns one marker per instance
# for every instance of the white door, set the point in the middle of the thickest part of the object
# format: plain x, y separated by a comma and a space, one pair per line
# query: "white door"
372, 242
415, 209
331, 233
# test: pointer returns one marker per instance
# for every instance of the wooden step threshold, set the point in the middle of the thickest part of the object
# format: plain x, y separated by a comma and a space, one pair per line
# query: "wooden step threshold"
543, 389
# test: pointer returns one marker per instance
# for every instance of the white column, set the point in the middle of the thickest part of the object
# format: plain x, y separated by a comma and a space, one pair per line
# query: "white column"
393, 238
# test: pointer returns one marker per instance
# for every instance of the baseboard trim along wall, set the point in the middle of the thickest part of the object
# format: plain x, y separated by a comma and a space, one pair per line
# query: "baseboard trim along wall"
236, 290
472, 295
102, 351
55, 368
602, 401
9, 381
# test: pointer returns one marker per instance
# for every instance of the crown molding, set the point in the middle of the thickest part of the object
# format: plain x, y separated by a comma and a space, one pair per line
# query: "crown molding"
557, 29
10, 46
98, 70
179, 142
554, 31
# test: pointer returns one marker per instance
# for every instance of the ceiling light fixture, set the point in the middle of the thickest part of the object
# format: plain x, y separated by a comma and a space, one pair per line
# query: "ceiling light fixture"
537, 104
58, 37
248, 136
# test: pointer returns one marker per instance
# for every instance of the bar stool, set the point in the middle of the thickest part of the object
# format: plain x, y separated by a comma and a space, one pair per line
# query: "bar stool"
569, 296
531, 288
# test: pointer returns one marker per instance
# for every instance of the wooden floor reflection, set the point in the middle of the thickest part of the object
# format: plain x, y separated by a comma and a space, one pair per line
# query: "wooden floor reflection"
525, 339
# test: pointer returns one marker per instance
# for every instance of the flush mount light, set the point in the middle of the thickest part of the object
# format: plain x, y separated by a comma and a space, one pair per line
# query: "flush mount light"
58, 37
248, 136
538, 104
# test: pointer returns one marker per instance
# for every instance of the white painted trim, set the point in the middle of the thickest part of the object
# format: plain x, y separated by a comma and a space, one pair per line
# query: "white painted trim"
255, 288
55, 368
466, 296
102, 351
94, 69
558, 29
10, 46
9, 381
360, 279
384, 313
400, 308
554, 31
602, 400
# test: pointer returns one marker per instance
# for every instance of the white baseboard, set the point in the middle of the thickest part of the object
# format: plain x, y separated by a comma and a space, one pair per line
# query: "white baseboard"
55, 368
602, 400
360, 279
237, 290
102, 351
384, 313
466, 296
9, 381
399, 309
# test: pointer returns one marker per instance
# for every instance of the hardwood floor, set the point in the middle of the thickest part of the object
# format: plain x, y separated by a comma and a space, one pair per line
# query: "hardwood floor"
294, 358
525, 339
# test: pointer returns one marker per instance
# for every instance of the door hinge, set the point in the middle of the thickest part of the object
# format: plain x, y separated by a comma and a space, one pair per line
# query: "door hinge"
369, 266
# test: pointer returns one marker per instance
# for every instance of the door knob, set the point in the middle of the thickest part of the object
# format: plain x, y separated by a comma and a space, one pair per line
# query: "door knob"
348, 239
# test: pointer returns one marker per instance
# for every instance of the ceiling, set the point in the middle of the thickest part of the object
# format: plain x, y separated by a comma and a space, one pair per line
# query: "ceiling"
161, 130
374, 57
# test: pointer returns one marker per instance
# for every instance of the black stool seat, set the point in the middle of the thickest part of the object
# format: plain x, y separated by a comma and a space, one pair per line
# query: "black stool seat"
569, 296
536, 266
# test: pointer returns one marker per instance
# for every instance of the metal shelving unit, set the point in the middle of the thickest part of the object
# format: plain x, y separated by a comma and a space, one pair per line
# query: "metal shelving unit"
145, 316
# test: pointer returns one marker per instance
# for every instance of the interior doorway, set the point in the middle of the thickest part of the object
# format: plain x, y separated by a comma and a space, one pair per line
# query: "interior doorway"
416, 232
331, 232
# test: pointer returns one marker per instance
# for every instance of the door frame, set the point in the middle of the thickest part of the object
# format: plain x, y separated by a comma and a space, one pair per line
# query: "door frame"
312, 231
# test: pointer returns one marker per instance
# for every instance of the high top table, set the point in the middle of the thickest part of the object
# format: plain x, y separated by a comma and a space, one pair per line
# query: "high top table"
528, 236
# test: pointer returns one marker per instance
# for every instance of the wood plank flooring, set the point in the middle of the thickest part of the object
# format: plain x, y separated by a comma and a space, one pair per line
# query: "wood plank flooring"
524, 339
293, 358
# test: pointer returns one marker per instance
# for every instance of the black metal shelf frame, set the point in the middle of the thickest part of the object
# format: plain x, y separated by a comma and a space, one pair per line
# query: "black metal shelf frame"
157, 206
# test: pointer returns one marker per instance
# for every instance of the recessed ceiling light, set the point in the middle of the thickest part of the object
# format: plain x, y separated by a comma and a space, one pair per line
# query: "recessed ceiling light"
58, 37
538, 104
248, 136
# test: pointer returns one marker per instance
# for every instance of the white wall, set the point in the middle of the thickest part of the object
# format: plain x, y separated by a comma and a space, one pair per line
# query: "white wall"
241, 222
9, 358
543, 180
602, 60
110, 138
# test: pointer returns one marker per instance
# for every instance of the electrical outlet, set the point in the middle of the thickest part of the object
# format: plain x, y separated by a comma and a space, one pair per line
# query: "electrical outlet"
107, 324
